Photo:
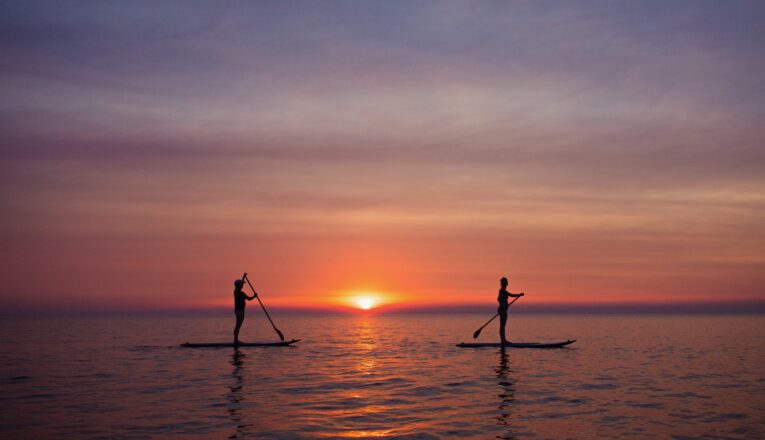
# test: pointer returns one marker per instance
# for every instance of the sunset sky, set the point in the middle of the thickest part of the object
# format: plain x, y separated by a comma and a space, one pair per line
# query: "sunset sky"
592, 152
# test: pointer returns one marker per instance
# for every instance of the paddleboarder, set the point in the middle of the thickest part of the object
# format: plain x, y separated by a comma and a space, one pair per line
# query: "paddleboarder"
239, 303
503, 305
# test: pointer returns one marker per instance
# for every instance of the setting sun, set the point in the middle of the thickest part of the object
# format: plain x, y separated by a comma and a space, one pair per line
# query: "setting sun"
365, 302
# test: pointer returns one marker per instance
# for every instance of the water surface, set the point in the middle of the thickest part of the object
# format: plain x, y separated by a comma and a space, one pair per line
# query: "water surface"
383, 376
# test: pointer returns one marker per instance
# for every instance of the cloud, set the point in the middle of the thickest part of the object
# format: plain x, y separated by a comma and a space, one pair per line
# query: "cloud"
606, 146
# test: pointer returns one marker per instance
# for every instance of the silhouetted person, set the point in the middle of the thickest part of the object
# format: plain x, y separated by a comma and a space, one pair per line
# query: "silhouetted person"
503, 305
239, 303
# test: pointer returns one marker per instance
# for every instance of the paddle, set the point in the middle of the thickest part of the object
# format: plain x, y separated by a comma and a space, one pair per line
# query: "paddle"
478, 332
244, 277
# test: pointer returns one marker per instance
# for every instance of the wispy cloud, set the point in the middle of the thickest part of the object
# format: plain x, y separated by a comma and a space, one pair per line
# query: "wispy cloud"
595, 151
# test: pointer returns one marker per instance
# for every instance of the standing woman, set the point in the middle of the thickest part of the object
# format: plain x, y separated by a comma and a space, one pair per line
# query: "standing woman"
239, 303
503, 305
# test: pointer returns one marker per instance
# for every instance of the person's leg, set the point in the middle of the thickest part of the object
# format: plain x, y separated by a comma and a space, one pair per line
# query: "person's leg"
502, 323
239, 320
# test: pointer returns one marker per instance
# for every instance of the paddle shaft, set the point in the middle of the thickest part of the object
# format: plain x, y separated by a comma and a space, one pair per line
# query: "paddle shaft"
478, 332
281, 336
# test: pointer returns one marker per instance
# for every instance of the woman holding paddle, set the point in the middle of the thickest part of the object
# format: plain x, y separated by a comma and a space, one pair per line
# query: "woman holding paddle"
239, 304
503, 305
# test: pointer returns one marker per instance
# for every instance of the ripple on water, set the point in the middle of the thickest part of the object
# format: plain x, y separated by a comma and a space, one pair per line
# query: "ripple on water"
368, 377
599, 386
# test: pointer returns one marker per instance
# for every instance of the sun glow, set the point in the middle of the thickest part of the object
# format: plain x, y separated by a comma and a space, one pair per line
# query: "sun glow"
365, 302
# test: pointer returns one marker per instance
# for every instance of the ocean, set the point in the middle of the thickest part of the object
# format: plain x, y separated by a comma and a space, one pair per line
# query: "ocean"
383, 376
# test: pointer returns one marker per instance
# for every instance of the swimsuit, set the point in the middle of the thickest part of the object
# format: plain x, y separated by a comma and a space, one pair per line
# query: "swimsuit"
502, 298
239, 303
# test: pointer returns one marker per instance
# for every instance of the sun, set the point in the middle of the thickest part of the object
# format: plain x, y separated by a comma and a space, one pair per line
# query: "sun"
365, 302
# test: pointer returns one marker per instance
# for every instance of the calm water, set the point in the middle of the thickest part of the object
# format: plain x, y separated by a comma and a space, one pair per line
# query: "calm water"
385, 377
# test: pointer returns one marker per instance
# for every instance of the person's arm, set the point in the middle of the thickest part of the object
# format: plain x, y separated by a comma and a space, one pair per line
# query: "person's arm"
515, 295
250, 298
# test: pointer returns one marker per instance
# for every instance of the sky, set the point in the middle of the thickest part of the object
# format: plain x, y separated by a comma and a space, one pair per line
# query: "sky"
412, 152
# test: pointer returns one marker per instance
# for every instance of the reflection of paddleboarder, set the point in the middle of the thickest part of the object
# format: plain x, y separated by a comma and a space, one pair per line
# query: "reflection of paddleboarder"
506, 382
503, 305
239, 303
236, 397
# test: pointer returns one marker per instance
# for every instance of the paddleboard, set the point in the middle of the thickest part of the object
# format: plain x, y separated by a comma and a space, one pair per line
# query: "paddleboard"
517, 344
243, 344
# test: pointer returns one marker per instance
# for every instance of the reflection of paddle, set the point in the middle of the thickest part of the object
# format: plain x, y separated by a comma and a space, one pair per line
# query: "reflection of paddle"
478, 332
244, 277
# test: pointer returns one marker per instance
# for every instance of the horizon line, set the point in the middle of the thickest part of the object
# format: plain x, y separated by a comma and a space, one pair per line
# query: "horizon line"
680, 307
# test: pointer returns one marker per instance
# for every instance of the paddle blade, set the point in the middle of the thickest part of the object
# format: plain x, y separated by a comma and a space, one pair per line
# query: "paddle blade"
281, 336
477, 333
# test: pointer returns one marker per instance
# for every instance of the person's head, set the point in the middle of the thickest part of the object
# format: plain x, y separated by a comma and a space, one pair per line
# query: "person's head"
238, 284
503, 282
